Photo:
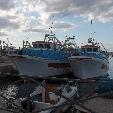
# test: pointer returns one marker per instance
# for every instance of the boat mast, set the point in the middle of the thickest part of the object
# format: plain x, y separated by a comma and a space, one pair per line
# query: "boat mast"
51, 37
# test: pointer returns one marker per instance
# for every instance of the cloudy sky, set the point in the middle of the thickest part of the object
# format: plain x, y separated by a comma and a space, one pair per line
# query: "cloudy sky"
30, 20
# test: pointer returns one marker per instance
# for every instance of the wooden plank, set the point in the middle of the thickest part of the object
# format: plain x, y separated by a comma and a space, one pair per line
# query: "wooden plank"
46, 90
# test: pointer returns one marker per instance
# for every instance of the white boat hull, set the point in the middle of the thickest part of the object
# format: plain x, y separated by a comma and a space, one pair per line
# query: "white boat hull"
88, 67
38, 67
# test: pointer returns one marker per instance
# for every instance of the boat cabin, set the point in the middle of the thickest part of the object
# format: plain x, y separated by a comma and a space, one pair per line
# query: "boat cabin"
90, 48
41, 44
46, 45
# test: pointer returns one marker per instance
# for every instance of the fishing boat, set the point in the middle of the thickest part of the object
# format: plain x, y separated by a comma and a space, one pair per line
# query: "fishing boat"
44, 58
6, 48
92, 62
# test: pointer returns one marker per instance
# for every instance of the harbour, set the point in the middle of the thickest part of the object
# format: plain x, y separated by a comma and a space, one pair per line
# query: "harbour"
56, 56
50, 76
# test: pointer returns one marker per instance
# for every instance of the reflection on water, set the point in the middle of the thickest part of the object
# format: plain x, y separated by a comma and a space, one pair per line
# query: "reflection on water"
7, 93
111, 68
15, 93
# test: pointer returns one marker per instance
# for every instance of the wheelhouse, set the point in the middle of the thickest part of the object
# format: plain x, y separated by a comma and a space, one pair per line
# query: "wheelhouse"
90, 48
45, 45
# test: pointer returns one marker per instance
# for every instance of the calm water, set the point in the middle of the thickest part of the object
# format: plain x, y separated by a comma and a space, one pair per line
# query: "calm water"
111, 67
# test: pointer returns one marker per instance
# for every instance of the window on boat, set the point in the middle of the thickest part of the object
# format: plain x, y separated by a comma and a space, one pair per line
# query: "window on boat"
35, 45
95, 49
57, 47
47, 46
40, 46
83, 49
89, 49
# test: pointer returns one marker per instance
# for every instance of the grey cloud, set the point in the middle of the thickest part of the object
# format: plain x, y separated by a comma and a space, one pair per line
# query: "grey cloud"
3, 34
35, 30
6, 4
59, 25
5, 23
96, 8
11, 17
62, 25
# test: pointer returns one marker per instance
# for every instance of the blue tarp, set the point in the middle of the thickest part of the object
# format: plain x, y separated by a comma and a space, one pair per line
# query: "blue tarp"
95, 55
50, 54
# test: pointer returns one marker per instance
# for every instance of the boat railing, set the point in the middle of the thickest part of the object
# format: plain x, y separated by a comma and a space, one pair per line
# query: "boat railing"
105, 53
95, 55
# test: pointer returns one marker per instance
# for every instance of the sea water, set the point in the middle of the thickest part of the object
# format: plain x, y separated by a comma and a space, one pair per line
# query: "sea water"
111, 67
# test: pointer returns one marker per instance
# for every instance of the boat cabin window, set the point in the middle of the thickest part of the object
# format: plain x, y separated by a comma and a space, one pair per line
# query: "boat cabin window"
35, 45
47, 46
95, 49
83, 50
89, 49
40, 46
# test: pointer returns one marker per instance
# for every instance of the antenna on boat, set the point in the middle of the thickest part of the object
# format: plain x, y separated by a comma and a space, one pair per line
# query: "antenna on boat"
50, 28
7, 41
91, 40
103, 47
91, 21
70, 41
51, 37
96, 42
92, 35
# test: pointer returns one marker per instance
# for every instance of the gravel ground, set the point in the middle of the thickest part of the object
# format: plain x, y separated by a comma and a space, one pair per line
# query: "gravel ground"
100, 105
1, 111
